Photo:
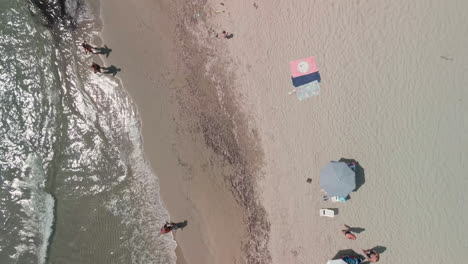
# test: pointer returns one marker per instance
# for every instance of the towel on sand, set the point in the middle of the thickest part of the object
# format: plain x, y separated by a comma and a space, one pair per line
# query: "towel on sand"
303, 67
305, 79
307, 90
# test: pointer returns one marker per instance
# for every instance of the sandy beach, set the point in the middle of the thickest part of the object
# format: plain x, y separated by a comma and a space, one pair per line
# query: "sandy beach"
233, 150
180, 144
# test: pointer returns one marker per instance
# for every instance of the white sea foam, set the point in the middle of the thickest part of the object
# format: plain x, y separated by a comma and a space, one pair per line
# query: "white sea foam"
141, 199
39, 209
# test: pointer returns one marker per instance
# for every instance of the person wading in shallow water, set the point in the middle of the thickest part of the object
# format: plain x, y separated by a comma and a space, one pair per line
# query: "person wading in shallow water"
87, 48
348, 234
171, 226
168, 227
96, 68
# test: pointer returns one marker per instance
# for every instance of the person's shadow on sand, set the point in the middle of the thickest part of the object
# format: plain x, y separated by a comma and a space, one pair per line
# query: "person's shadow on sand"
357, 230
103, 51
379, 249
111, 70
346, 252
360, 176
181, 225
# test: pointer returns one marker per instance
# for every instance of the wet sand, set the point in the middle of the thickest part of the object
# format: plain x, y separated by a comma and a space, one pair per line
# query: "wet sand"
194, 141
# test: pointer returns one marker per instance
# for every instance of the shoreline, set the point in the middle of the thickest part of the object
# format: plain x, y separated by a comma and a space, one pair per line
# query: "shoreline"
205, 178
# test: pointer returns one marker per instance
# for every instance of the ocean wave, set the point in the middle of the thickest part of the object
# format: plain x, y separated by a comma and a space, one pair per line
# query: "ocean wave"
27, 127
38, 208
72, 152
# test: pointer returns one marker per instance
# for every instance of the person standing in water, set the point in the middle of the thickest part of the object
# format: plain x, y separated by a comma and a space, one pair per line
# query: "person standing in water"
168, 227
87, 47
96, 68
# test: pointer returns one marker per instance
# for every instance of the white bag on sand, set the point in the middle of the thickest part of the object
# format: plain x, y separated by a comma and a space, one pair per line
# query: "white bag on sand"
336, 261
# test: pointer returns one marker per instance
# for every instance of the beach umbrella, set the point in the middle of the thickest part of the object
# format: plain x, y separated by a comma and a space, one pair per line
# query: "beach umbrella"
337, 179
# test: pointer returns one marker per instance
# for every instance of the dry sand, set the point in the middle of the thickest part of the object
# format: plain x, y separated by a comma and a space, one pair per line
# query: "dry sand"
389, 100
218, 120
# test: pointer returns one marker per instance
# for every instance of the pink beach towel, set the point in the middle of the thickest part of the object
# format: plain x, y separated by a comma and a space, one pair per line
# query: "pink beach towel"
303, 67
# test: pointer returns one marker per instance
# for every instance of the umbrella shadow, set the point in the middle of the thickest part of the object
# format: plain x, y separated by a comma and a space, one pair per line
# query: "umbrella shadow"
360, 175
111, 70
347, 252
103, 51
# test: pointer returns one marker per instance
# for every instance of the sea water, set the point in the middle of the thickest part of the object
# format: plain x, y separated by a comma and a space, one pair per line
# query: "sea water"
74, 184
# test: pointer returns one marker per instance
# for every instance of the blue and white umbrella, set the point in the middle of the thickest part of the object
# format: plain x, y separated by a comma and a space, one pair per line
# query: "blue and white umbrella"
337, 179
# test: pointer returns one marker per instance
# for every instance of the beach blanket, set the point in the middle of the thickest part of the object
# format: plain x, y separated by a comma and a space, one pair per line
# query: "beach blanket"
352, 260
308, 90
303, 67
305, 79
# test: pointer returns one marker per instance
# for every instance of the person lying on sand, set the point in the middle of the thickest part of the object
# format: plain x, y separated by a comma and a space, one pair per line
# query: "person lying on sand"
348, 234
371, 255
